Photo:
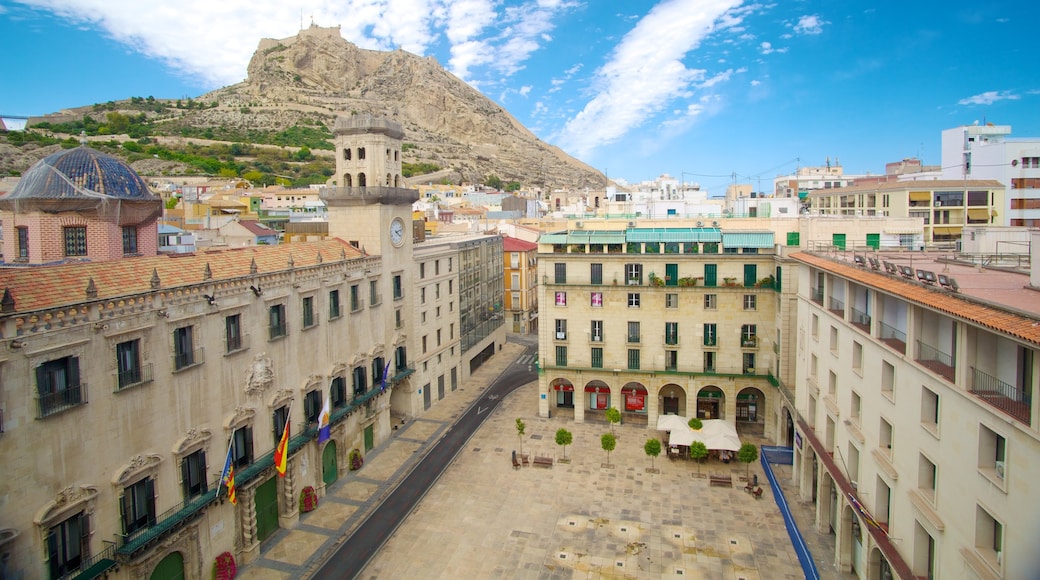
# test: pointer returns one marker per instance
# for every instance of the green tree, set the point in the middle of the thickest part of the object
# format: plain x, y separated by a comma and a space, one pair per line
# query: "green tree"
652, 447
748, 453
171, 203
698, 451
118, 123
520, 428
512, 186
493, 182
695, 424
563, 439
614, 417
608, 442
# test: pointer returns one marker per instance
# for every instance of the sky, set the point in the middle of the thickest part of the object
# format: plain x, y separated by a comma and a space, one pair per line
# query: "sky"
707, 91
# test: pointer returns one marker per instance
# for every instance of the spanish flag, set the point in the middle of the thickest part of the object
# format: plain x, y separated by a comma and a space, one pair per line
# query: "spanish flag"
281, 453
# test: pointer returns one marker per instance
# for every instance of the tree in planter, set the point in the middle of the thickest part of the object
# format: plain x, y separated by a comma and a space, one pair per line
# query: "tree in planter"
652, 447
695, 424
698, 451
614, 417
748, 453
520, 428
563, 439
609, 442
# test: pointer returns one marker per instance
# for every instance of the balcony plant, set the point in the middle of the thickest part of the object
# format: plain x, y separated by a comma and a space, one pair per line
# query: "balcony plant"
729, 281
656, 280
689, 281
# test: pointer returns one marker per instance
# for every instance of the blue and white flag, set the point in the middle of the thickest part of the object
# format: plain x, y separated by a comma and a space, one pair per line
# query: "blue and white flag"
324, 423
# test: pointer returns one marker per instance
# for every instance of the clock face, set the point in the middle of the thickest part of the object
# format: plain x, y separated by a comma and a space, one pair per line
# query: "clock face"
397, 231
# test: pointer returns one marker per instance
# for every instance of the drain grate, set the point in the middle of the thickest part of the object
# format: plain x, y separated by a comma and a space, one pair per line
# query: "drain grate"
476, 450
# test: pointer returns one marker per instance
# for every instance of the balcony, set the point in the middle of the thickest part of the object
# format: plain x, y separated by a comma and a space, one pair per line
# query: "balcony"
711, 341
96, 565
61, 400
233, 344
183, 360
817, 296
671, 339
837, 307
935, 360
166, 523
893, 337
633, 338
134, 377
749, 342
1008, 398
860, 319
277, 330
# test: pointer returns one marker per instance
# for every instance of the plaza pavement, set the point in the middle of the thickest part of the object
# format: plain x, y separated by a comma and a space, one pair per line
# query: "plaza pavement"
581, 519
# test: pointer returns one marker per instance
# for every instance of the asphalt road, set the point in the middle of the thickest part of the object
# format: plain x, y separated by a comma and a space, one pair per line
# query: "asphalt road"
354, 554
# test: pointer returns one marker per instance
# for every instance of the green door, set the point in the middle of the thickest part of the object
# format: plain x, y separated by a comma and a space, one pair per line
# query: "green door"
711, 275
169, 568
750, 275
671, 274
329, 467
266, 501
874, 241
838, 240
369, 439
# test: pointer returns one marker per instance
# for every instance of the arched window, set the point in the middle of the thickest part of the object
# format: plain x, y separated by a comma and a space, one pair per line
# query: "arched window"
388, 178
348, 180
397, 181
361, 180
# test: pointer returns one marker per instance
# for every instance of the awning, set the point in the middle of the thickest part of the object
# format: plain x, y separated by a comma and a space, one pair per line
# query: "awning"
978, 214
591, 389
947, 231
553, 239
651, 235
747, 239
920, 196
897, 231
567, 387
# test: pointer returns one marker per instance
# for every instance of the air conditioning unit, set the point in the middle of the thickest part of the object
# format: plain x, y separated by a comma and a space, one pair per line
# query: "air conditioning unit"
561, 335
938, 204
579, 225
631, 224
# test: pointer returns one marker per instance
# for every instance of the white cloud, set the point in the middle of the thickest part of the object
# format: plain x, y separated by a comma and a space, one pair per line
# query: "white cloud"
525, 90
988, 98
645, 72
755, 83
810, 24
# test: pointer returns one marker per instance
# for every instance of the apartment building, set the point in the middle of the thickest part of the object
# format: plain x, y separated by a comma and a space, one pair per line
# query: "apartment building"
916, 422
521, 283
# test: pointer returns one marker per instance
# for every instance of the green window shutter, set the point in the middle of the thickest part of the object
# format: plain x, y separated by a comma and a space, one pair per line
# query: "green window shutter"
750, 275
711, 275
874, 241
793, 239
838, 241
776, 283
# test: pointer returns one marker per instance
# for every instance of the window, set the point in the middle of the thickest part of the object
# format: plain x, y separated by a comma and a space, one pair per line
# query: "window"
989, 537
750, 302
710, 301
451, 286
671, 300
888, 379
749, 363
929, 410
128, 363
885, 436
815, 327
633, 359
832, 384
671, 333
671, 360
437, 267
193, 474
138, 506
561, 356
451, 331
338, 392
398, 289
439, 336
857, 357
373, 292
633, 274
514, 260
68, 545
312, 404
926, 477
57, 382
711, 271
633, 300
279, 418
561, 299
992, 454
437, 291
709, 361
596, 300
183, 348
23, 242
276, 321
748, 336
424, 344
361, 380
814, 367
514, 283
854, 412
75, 240
379, 367
561, 329
561, 273
633, 331
422, 270
355, 298
834, 340
308, 312
596, 274
129, 240
242, 446
711, 337
596, 333
597, 358
334, 306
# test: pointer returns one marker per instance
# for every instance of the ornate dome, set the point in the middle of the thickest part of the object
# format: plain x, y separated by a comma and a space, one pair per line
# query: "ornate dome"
80, 173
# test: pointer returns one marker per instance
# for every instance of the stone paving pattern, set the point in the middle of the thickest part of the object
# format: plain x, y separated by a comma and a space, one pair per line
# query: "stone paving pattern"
579, 519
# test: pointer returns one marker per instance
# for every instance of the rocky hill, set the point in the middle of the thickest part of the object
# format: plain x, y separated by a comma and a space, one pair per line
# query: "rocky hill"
311, 78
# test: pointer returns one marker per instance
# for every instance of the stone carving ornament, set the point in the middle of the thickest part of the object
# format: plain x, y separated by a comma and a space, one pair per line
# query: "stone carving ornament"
260, 375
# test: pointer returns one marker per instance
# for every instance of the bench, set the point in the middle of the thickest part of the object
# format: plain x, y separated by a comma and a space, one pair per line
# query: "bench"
726, 480
543, 461
523, 458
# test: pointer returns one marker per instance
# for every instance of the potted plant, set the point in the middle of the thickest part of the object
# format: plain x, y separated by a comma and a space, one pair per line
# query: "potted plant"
356, 460
308, 499
656, 280
224, 568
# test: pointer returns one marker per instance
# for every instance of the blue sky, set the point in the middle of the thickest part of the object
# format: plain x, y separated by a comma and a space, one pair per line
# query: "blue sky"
700, 89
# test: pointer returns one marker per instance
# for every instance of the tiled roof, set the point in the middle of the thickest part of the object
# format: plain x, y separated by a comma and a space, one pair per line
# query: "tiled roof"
992, 317
44, 287
257, 229
514, 245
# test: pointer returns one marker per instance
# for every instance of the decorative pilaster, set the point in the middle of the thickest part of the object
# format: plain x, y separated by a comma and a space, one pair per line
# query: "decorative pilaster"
250, 546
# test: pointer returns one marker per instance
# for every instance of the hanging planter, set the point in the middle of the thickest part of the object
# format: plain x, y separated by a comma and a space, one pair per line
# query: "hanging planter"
308, 500
356, 460
225, 568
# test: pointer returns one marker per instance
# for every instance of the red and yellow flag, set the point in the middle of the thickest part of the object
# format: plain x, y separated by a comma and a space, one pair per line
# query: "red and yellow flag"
231, 486
281, 453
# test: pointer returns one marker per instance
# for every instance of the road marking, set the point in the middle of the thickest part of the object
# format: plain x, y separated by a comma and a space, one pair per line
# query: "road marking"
479, 410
